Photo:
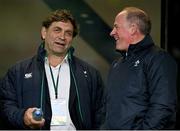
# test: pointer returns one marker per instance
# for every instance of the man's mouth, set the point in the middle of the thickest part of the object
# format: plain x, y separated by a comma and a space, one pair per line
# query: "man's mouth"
116, 39
60, 44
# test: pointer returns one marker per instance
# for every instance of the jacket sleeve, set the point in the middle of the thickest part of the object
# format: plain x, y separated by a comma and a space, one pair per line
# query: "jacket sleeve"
10, 110
161, 79
99, 98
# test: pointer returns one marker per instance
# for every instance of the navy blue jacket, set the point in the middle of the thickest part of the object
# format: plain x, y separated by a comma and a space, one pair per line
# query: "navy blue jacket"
20, 92
141, 89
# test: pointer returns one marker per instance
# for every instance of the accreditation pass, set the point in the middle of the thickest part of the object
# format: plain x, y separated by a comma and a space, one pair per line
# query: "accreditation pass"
59, 112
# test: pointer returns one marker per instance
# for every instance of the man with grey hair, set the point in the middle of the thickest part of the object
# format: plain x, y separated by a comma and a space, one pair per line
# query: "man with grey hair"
141, 85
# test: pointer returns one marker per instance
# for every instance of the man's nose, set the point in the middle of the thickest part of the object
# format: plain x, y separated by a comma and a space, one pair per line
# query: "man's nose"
62, 35
112, 33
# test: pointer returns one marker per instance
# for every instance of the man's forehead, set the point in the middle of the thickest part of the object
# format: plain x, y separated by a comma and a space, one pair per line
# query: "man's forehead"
121, 14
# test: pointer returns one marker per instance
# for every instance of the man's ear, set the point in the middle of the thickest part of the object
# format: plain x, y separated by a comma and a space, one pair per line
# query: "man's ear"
133, 28
43, 33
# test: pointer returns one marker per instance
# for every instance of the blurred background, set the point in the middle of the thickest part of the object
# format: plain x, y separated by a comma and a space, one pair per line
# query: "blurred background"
20, 25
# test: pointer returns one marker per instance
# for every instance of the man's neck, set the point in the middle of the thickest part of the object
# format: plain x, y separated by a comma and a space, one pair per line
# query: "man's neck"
138, 38
55, 60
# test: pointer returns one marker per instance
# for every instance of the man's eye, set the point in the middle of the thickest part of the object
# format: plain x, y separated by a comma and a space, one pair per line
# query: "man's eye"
116, 27
56, 30
69, 33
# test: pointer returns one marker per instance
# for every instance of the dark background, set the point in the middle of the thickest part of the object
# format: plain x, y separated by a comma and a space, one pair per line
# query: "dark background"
170, 36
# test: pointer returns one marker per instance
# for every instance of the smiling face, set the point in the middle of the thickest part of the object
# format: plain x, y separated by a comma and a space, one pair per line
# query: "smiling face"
121, 32
58, 37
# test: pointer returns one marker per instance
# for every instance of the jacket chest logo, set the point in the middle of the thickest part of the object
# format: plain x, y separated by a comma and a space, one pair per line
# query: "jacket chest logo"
28, 75
85, 73
136, 63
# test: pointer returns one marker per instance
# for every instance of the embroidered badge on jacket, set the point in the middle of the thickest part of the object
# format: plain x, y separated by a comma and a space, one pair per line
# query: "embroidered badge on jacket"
28, 75
136, 63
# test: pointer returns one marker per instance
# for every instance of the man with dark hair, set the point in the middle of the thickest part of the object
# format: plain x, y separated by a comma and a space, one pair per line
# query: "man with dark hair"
54, 89
141, 86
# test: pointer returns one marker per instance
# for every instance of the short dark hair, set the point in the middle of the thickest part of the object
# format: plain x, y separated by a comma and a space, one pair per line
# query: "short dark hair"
61, 15
140, 17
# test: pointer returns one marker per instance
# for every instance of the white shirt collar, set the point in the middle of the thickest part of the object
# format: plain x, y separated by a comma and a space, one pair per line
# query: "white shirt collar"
65, 60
